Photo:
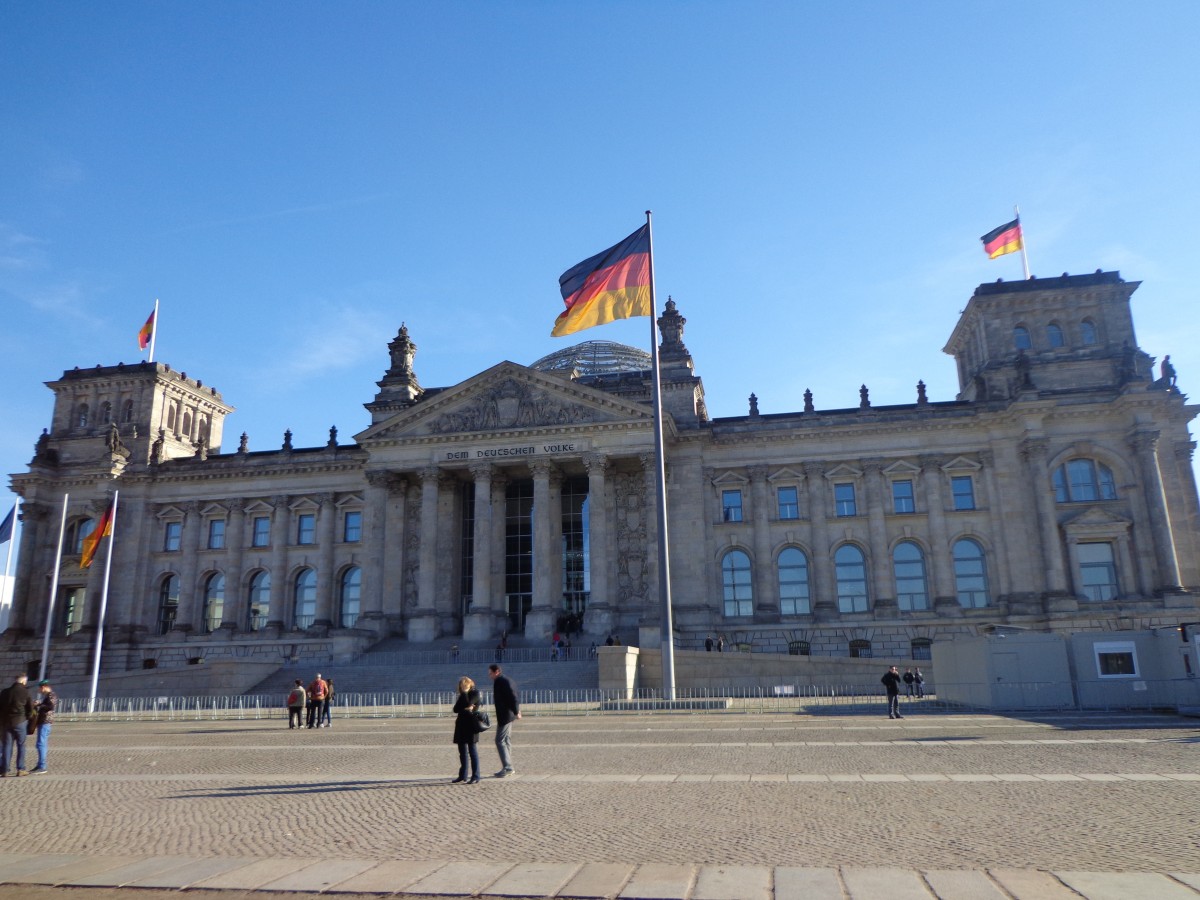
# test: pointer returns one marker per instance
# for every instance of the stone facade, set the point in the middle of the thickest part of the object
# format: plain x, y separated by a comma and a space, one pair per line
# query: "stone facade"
1055, 494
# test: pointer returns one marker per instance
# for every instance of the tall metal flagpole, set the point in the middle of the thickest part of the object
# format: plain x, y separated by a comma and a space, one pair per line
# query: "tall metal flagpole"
112, 534
664, 560
62, 527
1024, 255
153, 331
12, 539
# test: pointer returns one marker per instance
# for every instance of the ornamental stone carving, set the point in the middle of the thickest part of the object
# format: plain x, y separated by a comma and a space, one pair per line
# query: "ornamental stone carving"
511, 404
632, 538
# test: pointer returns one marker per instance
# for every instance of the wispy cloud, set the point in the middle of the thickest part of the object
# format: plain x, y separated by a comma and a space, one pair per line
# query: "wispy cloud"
20, 252
288, 212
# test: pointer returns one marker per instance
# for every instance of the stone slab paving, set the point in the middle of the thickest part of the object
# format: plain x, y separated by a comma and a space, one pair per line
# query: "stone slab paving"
638, 807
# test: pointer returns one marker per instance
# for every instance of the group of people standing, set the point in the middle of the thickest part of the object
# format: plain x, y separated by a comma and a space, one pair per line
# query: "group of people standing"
21, 716
316, 698
914, 683
469, 724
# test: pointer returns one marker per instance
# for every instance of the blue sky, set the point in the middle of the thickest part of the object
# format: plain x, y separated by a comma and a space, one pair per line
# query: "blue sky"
294, 180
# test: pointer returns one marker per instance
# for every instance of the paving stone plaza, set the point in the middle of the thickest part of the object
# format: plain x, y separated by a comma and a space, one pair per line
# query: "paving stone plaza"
702, 806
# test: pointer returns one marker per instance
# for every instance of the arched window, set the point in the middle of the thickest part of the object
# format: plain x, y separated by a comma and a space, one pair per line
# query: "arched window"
351, 594
851, 568
922, 648
202, 429
78, 533
970, 574
187, 425
105, 413
81, 415
305, 597
168, 603
1021, 338
735, 576
1083, 480
1087, 332
171, 417
860, 649
214, 602
1054, 335
908, 563
259, 596
127, 411
793, 583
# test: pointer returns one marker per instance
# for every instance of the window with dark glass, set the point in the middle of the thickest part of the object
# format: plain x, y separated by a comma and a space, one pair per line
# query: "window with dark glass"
168, 603
788, 503
306, 528
305, 598
843, 500
922, 648
903, 499
962, 489
260, 531
351, 596
1087, 332
1021, 338
216, 534
214, 602
860, 649
172, 536
793, 583
71, 603
970, 574
850, 567
260, 600
352, 527
576, 561
1054, 335
1083, 481
731, 506
908, 564
1097, 571
80, 530
737, 587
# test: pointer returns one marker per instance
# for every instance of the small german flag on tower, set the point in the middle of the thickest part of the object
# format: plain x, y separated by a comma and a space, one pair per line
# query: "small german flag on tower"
1005, 239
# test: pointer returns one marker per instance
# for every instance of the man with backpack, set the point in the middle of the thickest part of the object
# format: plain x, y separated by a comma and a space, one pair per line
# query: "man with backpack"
316, 700
16, 709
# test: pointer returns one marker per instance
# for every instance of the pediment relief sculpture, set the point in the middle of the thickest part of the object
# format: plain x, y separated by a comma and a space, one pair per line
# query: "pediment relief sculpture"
511, 404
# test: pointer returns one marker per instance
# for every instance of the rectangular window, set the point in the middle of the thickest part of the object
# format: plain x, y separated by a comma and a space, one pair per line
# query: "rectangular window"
261, 534
1116, 659
352, 528
1097, 571
306, 528
789, 503
962, 487
843, 498
903, 500
216, 534
172, 536
731, 506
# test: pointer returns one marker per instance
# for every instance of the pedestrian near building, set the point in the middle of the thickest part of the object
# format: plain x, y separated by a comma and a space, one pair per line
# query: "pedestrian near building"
466, 731
316, 700
295, 704
16, 709
891, 681
919, 681
326, 718
508, 710
708, 644
46, 704
908, 682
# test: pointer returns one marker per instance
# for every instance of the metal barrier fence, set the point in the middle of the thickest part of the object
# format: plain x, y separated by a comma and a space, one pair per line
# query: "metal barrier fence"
781, 698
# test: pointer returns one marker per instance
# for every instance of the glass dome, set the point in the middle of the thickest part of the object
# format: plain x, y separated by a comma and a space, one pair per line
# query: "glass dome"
596, 358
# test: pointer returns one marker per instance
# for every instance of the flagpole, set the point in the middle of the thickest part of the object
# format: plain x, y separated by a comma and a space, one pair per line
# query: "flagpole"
1024, 255
153, 331
62, 527
112, 535
12, 539
664, 560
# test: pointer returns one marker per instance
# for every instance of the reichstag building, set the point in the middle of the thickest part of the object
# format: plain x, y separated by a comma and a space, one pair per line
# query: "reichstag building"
1055, 493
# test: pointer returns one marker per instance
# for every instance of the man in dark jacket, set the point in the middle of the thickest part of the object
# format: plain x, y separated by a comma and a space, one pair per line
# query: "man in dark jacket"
508, 710
16, 709
47, 703
891, 682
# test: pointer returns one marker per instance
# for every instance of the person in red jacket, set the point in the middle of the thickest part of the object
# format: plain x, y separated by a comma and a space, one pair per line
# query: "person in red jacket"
316, 700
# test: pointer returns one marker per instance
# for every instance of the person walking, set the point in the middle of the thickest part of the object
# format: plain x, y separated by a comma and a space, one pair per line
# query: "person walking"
466, 731
508, 710
326, 718
47, 702
891, 681
908, 682
295, 704
16, 709
316, 700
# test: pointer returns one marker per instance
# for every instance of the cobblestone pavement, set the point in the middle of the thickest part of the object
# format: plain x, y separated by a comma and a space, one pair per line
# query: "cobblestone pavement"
707, 807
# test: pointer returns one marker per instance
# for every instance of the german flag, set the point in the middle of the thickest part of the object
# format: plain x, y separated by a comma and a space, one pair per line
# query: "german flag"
613, 284
1005, 239
92, 542
145, 333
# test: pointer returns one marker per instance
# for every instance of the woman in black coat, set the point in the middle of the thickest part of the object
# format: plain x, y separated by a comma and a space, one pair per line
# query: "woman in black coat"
465, 732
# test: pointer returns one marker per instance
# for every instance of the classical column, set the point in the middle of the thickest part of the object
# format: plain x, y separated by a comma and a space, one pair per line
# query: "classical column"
237, 601
374, 533
824, 599
1185, 483
653, 610
480, 622
191, 594
281, 614
38, 543
1145, 446
327, 587
765, 584
945, 594
423, 625
883, 588
499, 493
397, 551
1034, 452
598, 619
547, 555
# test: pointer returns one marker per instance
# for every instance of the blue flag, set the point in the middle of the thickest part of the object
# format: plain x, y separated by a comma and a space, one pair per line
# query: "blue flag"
6, 527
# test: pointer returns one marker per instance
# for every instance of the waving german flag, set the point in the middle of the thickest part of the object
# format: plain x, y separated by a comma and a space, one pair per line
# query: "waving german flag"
92, 542
1005, 239
613, 284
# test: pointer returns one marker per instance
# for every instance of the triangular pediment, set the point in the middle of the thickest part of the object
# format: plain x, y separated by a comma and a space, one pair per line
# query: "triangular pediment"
785, 475
843, 471
901, 468
507, 398
730, 478
1096, 518
961, 464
